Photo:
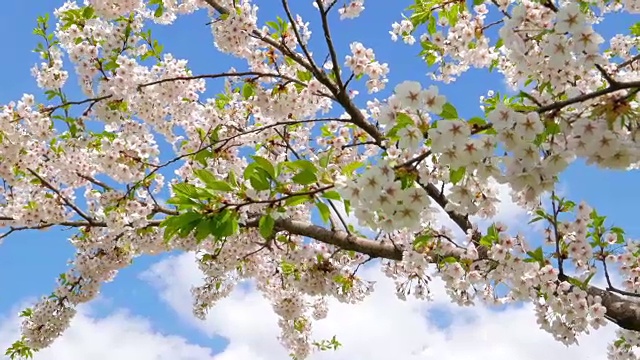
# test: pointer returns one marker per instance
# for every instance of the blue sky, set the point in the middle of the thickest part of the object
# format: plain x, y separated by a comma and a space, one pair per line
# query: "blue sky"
31, 261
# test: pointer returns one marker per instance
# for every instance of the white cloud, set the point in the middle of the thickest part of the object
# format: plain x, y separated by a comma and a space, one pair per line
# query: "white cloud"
382, 327
119, 336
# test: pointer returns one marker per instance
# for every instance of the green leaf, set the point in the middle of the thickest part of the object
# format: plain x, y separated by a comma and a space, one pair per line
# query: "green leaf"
266, 226
301, 164
575, 282
266, 165
51, 94
185, 229
476, 120
19, 350
159, 11
211, 181
431, 27
88, 12
431, 59
493, 231
181, 224
306, 167
248, 90
205, 175
258, 177
449, 111
202, 157
635, 29
537, 255
325, 213
232, 179
259, 182
273, 25
452, 15
587, 280
224, 224
305, 177
203, 229
332, 195
350, 168
182, 201
619, 234
324, 160
535, 219
186, 190
422, 241
304, 75
297, 200
325, 131
456, 175
402, 121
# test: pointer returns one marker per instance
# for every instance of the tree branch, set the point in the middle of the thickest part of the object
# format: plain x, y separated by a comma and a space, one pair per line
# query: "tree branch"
628, 62
624, 311
332, 50
219, 8
307, 54
220, 75
339, 238
616, 86
70, 204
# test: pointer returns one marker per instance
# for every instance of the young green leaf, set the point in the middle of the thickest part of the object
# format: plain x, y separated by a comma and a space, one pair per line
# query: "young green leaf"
186, 190
266, 165
297, 200
332, 195
325, 213
449, 111
266, 226
248, 90
305, 177
258, 177
211, 181
456, 175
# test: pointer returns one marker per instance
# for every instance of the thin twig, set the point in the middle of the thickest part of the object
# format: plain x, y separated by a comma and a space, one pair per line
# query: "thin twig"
63, 198
330, 46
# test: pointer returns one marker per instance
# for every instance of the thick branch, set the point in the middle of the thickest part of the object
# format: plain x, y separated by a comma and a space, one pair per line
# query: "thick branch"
219, 8
462, 221
339, 238
621, 310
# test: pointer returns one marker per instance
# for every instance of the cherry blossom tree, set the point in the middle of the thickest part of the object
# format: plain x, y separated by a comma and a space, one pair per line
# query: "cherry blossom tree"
248, 169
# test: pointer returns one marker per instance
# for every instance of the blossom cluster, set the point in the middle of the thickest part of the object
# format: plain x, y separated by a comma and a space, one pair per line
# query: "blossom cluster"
362, 62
